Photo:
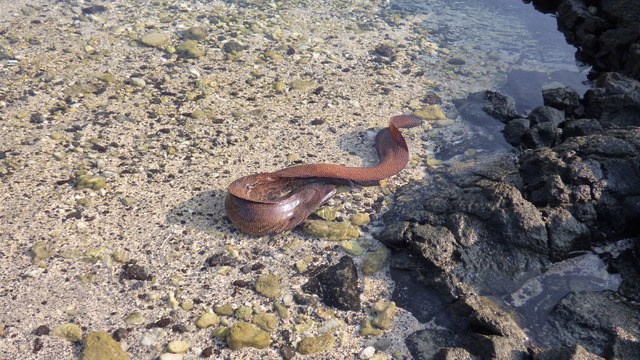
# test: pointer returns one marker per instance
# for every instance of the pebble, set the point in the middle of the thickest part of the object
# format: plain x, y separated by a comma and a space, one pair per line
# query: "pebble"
268, 285
134, 319
430, 112
316, 344
385, 312
225, 309
42, 330
178, 347
368, 352
360, 219
331, 230
170, 356
375, 260
366, 329
99, 345
190, 49
91, 182
265, 321
152, 337
197, 33
244, 334
155, 39
71, 332
207, 319
138, 82
352, 248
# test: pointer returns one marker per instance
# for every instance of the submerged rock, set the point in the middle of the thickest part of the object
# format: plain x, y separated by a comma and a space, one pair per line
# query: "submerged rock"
100, 345
244, 334
337, 285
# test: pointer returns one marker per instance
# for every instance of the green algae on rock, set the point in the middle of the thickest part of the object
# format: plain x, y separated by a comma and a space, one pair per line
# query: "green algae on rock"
224, 309
360, 219
316, 344
352, 248
190, 49
99, 345
71, 332
244, 334
155, 39
91, 182
178, 347
374, 260
268, 285
265, 321
331, 230
207, 319
385, 311
366, 329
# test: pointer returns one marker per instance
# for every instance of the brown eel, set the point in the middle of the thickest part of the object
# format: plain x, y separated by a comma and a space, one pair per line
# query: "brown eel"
272, 202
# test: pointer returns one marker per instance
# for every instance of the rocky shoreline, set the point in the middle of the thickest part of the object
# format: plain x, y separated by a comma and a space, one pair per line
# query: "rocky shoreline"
534, 254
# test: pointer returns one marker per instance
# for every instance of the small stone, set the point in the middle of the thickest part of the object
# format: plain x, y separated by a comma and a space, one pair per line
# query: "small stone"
138, 82
368, 352
40, 251
105, 77
283, 312
331, 230
374, 260
99, 345
328, 213
244, 334
430, 112
190, 49
120, 334
244, 313
221, 332
313, 345
170, 356
384, 314
128, 200
42, 330
225, 309
302, 84
443, 123
197, 33
152, 337
232, 46
71, 332
91, 182
178, 347
133, 271
56, 136
360, 219
59, 155
279, 86
366, 329
207, 352
207, 319
351, 248
266, 322
268, 285
155, 39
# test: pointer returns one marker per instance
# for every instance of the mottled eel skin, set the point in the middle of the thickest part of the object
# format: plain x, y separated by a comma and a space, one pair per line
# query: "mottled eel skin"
272, 202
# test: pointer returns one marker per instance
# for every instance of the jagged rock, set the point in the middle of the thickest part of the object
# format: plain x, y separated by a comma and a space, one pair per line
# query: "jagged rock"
337, 285
562, 98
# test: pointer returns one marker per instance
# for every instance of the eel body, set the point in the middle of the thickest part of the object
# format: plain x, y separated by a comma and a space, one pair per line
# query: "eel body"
272, 202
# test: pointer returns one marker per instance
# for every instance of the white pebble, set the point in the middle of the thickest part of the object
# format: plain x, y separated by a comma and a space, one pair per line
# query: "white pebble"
368, 352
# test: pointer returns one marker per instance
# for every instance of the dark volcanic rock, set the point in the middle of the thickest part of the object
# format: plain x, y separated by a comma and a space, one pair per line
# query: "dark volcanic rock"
563, 98
590, 319
595, 177
615, 101
515, 130
485, 107
425, 344
337, 285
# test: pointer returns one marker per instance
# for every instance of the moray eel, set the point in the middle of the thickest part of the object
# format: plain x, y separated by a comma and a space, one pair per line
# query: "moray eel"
272, 202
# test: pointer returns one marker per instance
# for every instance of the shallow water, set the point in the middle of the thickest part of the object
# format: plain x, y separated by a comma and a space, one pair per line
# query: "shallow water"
494, 38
